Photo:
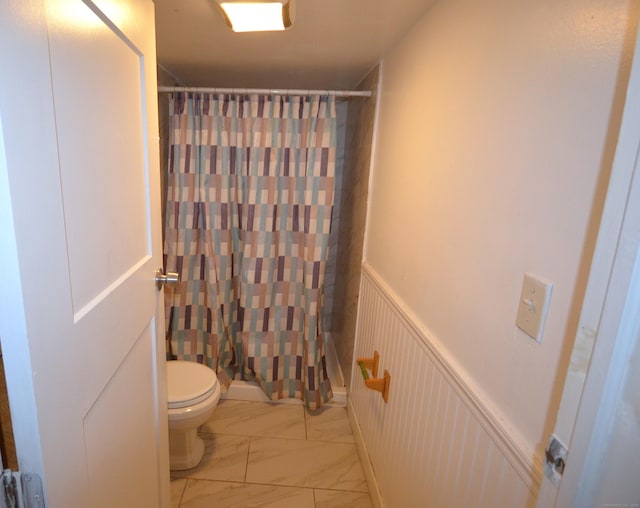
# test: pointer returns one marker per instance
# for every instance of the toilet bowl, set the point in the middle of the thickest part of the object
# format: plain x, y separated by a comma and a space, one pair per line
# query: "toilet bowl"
193, 392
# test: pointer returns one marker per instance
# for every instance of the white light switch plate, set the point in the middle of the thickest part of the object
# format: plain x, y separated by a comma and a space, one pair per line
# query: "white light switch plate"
533, 306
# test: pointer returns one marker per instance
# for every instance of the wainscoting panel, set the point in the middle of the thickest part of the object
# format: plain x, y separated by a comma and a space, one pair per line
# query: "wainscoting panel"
432, 444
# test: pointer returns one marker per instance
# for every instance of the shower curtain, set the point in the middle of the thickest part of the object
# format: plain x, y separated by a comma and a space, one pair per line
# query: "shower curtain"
250, 191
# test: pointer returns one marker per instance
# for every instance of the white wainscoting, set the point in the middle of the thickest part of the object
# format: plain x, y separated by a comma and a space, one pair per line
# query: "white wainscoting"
435, 443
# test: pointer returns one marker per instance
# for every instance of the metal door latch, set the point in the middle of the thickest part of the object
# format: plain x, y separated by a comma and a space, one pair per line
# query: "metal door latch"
556, 462
20, 490
556, 456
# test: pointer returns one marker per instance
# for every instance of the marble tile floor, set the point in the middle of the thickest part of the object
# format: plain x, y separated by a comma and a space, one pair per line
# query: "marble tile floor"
274, 455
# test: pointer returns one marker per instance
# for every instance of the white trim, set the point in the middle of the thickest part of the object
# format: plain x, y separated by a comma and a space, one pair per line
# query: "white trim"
617, 333
527, 466
597, 331
621, 323
372, 160
13, 334
367, 467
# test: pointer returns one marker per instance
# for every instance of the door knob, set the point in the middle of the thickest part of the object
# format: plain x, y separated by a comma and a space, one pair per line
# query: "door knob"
170, 280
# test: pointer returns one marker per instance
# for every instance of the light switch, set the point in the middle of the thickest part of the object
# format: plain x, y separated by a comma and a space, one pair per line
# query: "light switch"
533, 306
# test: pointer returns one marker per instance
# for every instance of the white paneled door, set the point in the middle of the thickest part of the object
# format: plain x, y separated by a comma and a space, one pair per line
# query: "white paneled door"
80, 317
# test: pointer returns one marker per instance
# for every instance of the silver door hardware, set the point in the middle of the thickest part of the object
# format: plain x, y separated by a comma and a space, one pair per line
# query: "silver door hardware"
556, 457
556, 462
170, 280
20, 490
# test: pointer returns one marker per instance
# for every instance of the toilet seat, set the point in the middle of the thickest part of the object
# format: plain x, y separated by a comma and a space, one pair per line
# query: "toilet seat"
189, 383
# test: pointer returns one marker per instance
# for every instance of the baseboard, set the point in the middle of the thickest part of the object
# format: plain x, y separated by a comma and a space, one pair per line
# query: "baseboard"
367, 468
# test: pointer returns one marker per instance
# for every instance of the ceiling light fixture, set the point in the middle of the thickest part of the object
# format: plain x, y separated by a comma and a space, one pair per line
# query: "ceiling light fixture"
257, 15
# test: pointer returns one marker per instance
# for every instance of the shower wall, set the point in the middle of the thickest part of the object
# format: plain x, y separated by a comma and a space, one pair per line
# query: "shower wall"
352, 211
164, 79
331, 270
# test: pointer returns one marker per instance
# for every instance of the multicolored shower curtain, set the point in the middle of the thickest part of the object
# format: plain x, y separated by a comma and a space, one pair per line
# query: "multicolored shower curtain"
249, 201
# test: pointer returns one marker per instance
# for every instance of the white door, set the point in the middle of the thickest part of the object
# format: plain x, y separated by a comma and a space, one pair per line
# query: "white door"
599, 415
80, 318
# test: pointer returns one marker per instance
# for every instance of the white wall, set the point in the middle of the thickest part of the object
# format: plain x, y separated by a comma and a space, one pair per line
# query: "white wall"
497, 126
433, 443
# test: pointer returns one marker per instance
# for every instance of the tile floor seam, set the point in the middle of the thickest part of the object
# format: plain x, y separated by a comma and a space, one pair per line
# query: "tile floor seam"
339, 490
283, 485
329, 441
246, 462
306, 440
270, 485
302, 487
293, 486
184, 488
267, 437
224, 481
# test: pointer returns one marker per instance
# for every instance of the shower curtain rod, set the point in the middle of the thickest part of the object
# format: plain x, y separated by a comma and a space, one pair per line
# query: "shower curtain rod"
336, 93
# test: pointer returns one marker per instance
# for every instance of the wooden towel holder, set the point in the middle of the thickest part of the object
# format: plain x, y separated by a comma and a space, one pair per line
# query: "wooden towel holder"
375, 383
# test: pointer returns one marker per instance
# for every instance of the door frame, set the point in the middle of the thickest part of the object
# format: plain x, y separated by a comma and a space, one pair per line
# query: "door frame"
16, 356
600, 358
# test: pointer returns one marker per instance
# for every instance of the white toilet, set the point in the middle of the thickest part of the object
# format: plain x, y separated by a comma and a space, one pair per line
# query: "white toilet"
193, 393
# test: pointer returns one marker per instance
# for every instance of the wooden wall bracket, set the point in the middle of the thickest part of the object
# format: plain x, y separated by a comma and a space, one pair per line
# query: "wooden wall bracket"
375, 383
370, 363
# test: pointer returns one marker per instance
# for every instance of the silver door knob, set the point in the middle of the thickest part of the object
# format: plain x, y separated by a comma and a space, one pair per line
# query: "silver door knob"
170, 280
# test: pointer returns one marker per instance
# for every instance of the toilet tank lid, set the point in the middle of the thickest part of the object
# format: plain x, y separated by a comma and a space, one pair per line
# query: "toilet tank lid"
188, 381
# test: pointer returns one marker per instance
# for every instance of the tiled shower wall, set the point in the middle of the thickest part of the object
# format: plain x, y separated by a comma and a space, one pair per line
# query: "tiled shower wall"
331, 268
352, 211
164, 79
